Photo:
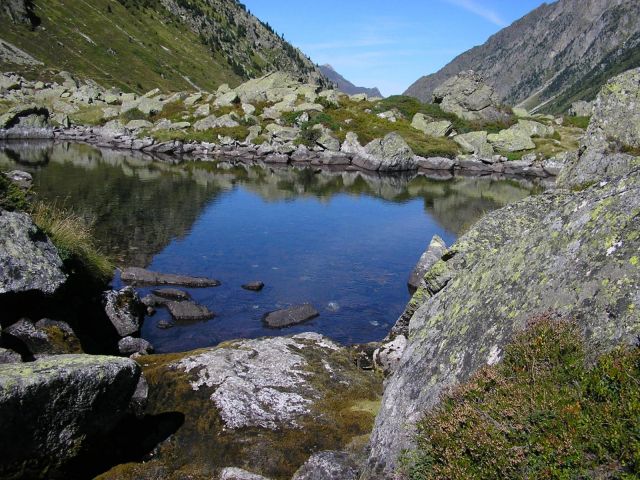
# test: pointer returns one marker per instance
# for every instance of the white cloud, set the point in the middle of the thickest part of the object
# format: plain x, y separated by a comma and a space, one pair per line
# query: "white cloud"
473, 7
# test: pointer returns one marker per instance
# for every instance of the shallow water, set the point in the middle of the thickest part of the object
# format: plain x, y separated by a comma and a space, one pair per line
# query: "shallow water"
343, 241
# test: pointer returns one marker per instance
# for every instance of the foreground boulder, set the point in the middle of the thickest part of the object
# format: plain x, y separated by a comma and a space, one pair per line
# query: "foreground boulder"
124, 310
467, 96
432, 254
54, 408
261, 405
45, 337
328, 466
575, 254
611, 144
28, 259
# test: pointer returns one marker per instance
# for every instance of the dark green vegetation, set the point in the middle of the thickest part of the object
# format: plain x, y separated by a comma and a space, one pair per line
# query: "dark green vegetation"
138, 45
543, 412
579, 122
11, 196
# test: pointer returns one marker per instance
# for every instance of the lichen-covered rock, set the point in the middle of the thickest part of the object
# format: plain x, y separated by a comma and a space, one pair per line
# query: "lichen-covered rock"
475, 142
54, 407
429, 126
534, 129
233, 473
432, 254
282, 134
609, 147
9, 356
575, 254
263, 405
124, 310
28, 259
391, 153
511, 140
45, 337
328, 466
25, 116
130, 345
467, 96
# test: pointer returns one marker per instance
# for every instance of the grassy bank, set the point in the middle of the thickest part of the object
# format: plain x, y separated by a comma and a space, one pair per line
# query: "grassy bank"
542, 412
70, 233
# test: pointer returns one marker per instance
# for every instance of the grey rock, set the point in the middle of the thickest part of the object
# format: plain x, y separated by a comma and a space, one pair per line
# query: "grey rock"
29, 115
149, 106
46, 337
188, 311
474, 142
468, 96
431, 127
54, 407
390, 153
233, 473
9, 356
138, 124
328, 465
140, 276
23, 179
164, 325
172, 294
124, 310
130, 345
581, 109
432, 254
435, 163
573, 253
290, 316
28, 259
614, 126
387, 357
253, 286
511, 140
534, 129
282, 134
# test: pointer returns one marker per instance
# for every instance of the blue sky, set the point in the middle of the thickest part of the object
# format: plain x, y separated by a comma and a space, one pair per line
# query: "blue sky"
386, 43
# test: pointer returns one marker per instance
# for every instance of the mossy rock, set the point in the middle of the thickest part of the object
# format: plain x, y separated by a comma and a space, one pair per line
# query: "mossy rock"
263, 405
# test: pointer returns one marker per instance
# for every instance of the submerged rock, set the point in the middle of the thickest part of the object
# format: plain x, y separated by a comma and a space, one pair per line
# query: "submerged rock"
140, 276
253, 286
28, 259
55, 407
262, 405
172, 294
188, 311
575, 254
290, 316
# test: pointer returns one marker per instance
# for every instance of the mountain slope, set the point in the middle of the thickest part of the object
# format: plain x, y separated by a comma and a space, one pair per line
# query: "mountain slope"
553, 55
142, 44
345, 85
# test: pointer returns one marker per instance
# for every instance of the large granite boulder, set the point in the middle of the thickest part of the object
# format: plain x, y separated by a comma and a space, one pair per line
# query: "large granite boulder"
262, 405
29, 115
431, 127
431, 255
390, 153
511, 140
54, 408
28, 259
467, 96
610, 145
571, 253
476, 143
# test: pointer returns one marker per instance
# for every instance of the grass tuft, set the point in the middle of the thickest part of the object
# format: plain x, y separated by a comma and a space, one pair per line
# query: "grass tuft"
73, 238
541, 413
12, 197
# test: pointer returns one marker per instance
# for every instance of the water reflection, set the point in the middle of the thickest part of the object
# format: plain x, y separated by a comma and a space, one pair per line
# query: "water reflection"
344, 241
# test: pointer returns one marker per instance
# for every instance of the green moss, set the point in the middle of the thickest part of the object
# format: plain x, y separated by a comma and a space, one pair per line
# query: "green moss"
578, 122
540, 413
12, 197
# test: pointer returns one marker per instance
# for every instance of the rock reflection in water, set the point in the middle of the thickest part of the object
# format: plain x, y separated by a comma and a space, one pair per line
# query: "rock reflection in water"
325, 237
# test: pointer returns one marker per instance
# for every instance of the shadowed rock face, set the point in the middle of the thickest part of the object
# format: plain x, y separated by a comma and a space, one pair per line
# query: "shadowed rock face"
262, 405
54, 407
576, 254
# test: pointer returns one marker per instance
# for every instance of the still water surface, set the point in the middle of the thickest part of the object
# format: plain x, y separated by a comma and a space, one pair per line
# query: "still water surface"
343, 241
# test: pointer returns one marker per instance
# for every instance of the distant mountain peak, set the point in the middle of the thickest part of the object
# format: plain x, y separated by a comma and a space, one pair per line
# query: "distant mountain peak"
558, 53
345, 85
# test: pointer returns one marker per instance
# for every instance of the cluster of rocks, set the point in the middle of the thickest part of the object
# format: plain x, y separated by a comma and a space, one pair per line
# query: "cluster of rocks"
40, 105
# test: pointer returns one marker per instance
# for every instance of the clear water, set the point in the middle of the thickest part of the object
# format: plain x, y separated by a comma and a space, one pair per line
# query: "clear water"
343, 241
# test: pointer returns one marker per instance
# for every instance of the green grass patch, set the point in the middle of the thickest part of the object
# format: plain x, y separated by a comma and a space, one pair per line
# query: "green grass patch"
133, 114
88, 116
578, 122
541, 413
239, 133
73, 238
